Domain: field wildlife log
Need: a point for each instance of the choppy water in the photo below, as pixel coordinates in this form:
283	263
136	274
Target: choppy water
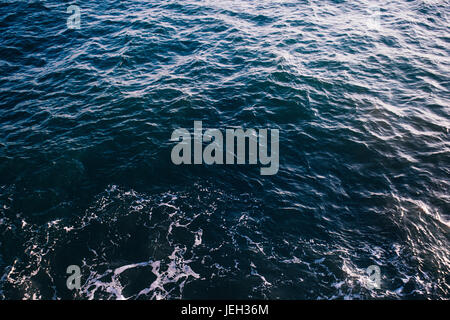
363	109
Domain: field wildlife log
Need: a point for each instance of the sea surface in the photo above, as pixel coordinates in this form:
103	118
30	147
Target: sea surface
359	91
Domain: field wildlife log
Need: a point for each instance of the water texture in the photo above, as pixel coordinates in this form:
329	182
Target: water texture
358	89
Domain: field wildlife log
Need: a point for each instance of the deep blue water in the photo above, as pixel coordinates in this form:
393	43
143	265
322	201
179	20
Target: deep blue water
363	109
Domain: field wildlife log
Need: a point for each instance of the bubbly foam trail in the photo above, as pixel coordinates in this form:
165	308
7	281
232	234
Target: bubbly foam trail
168	265
178	272
102	281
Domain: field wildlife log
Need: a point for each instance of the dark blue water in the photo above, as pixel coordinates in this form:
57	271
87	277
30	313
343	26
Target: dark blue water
362	103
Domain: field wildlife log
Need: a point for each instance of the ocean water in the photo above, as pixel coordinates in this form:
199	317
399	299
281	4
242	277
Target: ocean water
359	91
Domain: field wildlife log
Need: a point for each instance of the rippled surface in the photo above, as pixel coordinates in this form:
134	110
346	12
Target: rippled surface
86	178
